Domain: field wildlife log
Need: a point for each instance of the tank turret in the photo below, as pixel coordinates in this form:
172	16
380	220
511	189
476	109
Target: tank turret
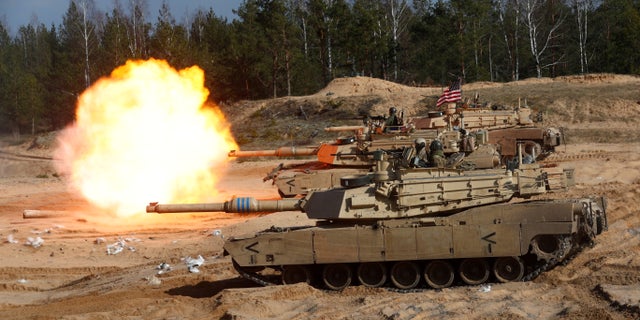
395	190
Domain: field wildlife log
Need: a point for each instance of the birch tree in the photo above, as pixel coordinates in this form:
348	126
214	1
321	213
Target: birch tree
509	16
540	38
300	13
79	40
399	12
581	9
80	31
138	29
114	39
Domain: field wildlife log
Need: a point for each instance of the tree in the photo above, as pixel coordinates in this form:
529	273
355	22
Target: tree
272	18
398	11
473	31
306	70
210	49
370	52
617	42
328	19
432	36
582	8
540	38
23	60
115	49
248	45
169	41
300	13
75	66
79	31
509	16
138	29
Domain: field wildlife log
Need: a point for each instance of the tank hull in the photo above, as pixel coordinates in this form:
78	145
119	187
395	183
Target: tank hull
487	235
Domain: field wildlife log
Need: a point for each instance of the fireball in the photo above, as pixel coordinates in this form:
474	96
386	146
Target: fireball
145	134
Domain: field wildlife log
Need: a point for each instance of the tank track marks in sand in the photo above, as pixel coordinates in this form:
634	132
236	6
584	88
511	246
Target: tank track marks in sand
633	311
590	155
22	157
562	256
56	277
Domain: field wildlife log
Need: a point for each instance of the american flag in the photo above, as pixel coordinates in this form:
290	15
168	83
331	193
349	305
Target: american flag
451	94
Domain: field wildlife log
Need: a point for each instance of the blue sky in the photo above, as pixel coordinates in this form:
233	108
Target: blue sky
18	13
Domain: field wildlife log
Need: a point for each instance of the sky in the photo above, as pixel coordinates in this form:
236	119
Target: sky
17	13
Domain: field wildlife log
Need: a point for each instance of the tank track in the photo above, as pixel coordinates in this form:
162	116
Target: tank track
566	253
253	276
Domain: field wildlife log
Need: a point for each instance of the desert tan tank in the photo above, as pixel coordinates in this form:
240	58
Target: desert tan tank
490	140
410	227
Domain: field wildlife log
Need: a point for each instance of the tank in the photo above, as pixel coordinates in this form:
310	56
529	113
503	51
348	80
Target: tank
414	227
471	138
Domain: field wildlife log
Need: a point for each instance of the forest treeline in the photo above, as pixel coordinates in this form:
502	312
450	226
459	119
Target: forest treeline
278	48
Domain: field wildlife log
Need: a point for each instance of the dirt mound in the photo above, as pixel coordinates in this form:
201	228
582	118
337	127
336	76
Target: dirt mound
355	86
32	157
597	78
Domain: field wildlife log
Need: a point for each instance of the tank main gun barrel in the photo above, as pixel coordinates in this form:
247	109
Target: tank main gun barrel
280	152
235	205
345	128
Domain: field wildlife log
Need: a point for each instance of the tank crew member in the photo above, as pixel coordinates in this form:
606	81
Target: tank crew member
392	122
421	159
527	158
436	154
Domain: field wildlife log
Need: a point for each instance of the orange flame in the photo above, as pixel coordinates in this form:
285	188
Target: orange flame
143	135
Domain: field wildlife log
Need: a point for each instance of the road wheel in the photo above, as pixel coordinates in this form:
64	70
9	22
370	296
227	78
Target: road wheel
405	275
507	269
373	274
532	148
439	274
337	276
296	274
474	271
547	247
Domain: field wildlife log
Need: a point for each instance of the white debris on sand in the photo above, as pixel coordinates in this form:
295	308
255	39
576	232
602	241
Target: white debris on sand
34	242
193	264
217	233
41	231
47	230
485	288
10	239
120	245
116	248
154	281
163	267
